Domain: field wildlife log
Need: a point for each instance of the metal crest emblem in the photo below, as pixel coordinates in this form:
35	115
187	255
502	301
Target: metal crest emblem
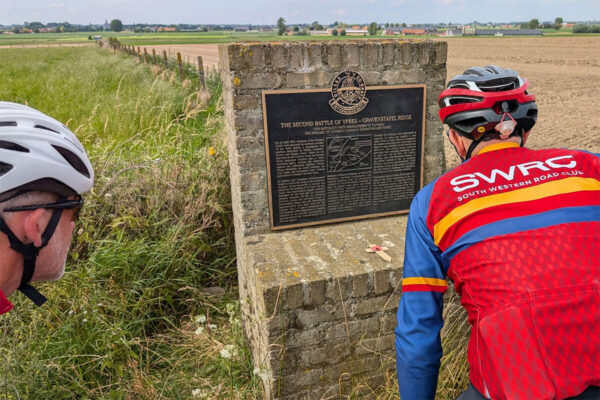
348	93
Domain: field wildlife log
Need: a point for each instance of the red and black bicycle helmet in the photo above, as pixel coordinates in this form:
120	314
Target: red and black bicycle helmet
476	101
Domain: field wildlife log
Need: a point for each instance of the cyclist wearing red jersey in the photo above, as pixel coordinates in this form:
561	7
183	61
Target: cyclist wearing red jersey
518	233
43	172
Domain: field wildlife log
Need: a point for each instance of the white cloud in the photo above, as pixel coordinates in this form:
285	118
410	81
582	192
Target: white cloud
341	12
72	9
57	5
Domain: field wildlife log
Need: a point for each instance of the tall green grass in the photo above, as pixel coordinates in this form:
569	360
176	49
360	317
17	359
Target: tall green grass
154	247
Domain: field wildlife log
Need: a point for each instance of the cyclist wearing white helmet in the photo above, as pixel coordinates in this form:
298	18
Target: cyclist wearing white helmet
44	170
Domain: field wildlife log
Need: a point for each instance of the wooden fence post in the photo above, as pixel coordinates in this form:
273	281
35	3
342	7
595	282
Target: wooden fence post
139	52
153	56
145	55
180	65
166	59
201	71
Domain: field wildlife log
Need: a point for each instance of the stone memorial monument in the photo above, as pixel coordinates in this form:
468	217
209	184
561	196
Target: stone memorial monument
328	143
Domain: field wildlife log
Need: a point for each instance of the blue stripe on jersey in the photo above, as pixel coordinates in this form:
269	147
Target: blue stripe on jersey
519	224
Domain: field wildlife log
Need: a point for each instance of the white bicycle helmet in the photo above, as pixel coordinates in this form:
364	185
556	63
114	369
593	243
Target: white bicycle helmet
38	153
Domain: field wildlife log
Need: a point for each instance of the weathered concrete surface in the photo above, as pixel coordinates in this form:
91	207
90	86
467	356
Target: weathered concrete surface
322	310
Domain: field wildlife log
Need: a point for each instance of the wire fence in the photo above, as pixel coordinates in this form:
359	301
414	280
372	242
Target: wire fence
189	72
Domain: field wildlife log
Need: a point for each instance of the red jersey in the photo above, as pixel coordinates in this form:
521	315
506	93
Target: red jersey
518	232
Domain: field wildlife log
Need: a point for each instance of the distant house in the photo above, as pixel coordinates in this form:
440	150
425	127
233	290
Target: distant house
241	29
356	32
391	31
320	33
167	29
453	32
97	37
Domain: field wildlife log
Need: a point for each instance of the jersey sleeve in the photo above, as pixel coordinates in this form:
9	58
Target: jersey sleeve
418	344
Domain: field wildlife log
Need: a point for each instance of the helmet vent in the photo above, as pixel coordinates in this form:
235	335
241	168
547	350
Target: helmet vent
4	168
46	128
12	146
73	160
469	124
8	123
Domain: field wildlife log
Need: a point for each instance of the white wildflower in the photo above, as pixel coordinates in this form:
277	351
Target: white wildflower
200	393
200	319
260	373
85	312
199	330
70	312
212	326
225	354
229	351
84	320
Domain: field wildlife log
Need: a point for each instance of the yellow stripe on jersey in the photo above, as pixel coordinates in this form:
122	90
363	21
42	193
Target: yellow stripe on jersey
563	186
498	146
424	281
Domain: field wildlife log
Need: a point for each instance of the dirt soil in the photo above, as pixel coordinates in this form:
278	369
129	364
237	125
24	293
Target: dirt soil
564	74
189	52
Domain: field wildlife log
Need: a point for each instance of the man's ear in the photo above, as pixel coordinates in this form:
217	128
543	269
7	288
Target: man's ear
458	143
34	225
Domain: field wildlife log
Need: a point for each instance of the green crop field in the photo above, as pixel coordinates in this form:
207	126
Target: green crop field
148	308
156	38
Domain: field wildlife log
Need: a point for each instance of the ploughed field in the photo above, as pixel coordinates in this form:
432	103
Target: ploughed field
564	74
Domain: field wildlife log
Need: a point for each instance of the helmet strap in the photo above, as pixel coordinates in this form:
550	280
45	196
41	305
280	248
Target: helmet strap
30	253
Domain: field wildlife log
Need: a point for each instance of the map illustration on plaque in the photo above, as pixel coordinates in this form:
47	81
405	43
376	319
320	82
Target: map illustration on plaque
349	153
343	153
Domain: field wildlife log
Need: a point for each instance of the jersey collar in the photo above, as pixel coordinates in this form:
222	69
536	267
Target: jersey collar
5	304
498	146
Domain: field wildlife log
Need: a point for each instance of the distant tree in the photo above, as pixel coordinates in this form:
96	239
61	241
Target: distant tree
558	21
403	25
387	24
33	25
372	28
534	23
295	28
116	25
334	32
281	28
343	25
343	32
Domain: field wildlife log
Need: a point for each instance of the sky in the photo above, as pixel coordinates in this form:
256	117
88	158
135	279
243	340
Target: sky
294	11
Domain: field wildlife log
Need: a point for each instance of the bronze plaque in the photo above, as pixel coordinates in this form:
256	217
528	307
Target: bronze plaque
343	154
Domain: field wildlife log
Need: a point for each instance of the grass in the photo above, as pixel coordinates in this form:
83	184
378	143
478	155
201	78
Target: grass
155	234
148	308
